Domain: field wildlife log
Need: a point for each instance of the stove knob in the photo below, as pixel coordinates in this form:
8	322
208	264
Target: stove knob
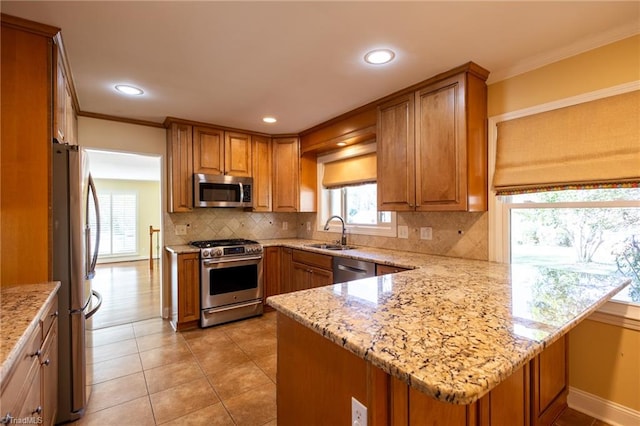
216	252
205	253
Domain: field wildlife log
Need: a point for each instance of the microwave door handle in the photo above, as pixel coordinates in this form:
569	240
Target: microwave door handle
241	192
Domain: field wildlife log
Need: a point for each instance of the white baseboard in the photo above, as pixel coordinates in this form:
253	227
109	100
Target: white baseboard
601	409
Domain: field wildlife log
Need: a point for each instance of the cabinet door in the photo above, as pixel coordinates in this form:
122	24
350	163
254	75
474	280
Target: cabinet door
180	168
300	276
60	124
237	154
272	272
395	152
208	151
286	174
550	382
49	372
441	155
261	173
188	287
320	277
286	270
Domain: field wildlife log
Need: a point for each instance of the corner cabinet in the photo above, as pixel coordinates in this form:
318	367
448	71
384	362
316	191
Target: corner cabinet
185	289
432	145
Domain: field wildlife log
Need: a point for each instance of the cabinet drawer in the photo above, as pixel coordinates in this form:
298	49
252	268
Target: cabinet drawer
49	317
388	269
313	259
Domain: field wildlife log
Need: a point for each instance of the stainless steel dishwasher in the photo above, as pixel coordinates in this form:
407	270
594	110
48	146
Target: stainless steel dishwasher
345	269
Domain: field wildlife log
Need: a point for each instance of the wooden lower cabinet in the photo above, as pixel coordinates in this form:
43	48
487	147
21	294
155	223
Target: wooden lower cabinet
311	270
271	261
286	270
317	379
185	290
30	385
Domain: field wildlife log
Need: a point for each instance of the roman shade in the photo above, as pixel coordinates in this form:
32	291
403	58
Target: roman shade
591	144
350	171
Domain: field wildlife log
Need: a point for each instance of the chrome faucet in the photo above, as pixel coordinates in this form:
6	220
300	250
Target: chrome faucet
343	240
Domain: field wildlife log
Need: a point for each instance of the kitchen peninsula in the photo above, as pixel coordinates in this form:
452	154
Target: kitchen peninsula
453	341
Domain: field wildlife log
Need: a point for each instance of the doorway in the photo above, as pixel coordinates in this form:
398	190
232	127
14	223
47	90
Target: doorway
128	274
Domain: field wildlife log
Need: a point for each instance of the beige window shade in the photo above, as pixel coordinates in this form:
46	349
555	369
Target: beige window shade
593	143
350	171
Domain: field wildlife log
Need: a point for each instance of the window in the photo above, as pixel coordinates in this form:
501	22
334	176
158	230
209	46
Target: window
119	218
592	230
352	194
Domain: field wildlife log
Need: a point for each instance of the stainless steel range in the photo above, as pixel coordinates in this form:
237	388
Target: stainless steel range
231	284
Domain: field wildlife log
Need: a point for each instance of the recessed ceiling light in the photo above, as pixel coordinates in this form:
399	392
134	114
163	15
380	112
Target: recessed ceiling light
269	120
379	56
129	90
341	143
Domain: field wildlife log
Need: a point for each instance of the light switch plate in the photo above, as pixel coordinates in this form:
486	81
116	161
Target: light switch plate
426	233
285	226
403	231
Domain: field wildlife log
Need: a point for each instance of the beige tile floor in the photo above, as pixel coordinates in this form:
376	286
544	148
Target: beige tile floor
144	373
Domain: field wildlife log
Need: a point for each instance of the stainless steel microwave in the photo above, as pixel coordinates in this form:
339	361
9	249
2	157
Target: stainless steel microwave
222	191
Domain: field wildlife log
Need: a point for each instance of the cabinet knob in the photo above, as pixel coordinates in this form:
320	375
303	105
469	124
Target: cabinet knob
55	314
36	353
7	419
38	410
46	362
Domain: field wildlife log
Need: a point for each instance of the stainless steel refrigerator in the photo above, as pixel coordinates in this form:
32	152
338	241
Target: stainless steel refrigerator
75	251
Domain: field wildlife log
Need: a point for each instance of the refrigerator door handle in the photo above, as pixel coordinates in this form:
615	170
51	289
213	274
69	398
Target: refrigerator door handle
96	307
91	265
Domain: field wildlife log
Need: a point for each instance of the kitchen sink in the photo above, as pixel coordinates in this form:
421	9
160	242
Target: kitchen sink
330	246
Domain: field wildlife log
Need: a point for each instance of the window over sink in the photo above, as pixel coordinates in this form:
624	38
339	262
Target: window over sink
347	188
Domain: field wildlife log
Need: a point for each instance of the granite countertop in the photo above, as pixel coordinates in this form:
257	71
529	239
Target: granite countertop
451	328
21	307
182	248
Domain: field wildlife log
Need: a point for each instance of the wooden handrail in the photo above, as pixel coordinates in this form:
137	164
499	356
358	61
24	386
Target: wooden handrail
151	232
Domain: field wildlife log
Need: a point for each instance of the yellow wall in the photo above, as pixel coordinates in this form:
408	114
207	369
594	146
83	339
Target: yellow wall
607	66
604	360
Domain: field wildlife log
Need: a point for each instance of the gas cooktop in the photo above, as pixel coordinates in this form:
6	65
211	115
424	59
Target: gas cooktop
222	243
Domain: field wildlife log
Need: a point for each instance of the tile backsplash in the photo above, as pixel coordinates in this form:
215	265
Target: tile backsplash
456	234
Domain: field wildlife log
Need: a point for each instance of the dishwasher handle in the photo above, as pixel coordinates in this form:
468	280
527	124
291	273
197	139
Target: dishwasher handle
351	269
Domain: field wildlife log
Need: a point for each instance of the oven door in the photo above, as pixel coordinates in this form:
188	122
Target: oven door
230	280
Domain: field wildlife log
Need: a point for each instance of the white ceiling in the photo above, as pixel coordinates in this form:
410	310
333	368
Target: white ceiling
120	165
231	63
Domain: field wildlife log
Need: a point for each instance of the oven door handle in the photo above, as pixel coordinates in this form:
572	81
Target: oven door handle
230	308
230	260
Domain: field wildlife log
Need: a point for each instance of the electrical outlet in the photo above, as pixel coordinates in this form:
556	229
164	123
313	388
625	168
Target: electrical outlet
181	229
285	226
358	413
308	226
426	233
403	231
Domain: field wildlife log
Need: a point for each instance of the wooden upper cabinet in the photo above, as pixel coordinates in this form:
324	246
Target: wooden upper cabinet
208	150
65	121
237	154
432	145
180	168
286	160
395	153
261	157
441	156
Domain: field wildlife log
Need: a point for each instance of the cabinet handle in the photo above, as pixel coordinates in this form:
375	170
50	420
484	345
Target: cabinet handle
55	314
38	410
7	419
46	362
36	353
